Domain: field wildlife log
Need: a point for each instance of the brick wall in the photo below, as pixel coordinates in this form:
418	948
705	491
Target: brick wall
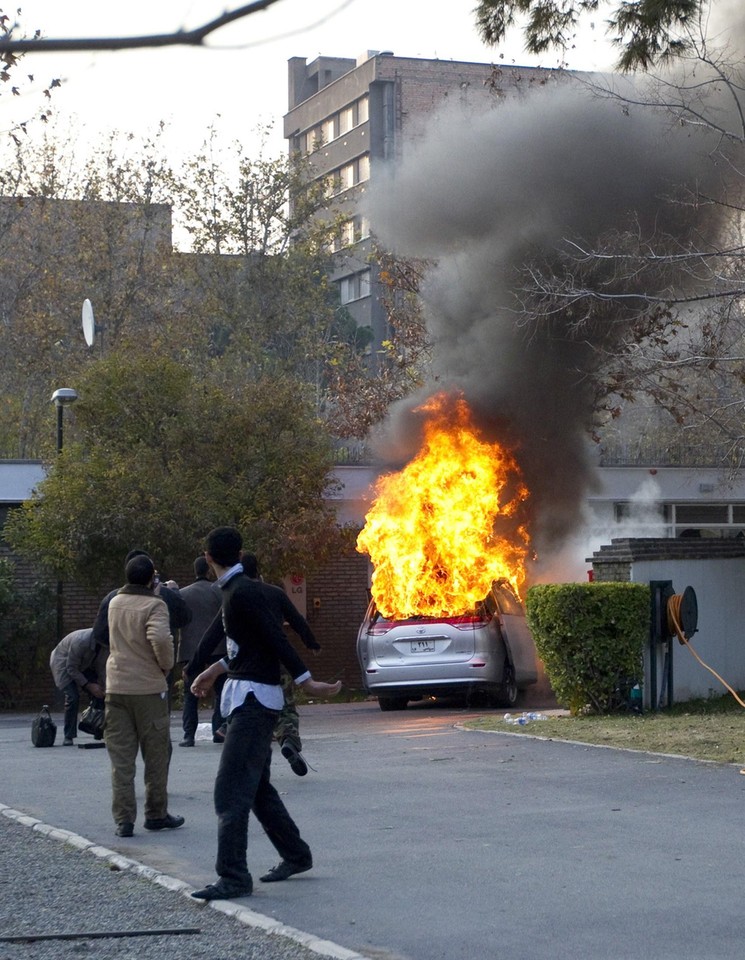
613	562
337	599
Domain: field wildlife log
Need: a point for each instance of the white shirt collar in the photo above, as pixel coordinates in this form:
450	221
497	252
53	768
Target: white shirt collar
229	574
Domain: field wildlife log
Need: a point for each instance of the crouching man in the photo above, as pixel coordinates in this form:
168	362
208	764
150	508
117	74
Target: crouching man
78	663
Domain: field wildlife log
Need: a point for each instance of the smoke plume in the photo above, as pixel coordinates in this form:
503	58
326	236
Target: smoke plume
485	195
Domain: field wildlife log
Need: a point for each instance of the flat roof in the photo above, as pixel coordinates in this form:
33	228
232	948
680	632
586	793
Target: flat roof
18	478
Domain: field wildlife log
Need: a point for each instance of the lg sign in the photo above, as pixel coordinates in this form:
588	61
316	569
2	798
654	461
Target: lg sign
295	587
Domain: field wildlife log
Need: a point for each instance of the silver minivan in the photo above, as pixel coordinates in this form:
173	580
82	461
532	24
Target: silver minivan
489	650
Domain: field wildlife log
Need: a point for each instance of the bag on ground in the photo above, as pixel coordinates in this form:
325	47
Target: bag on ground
91	721
43	729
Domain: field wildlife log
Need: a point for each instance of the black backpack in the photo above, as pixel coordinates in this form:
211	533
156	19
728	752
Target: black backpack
43	729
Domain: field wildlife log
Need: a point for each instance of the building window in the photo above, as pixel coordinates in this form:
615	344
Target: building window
347	176
313	139
697	513
346	120
718	520
336	126
347	233
352	231
355	286
351	174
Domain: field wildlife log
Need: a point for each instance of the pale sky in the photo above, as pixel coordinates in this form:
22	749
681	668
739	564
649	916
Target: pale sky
243	77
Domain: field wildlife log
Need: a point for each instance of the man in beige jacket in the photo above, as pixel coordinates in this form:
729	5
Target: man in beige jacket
137	717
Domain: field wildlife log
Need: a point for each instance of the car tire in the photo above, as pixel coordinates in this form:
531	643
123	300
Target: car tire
509	694
392	703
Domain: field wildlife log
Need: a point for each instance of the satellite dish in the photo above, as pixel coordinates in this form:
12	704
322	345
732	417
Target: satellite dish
90	327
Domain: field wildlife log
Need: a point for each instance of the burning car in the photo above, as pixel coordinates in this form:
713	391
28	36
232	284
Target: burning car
488	650
448	542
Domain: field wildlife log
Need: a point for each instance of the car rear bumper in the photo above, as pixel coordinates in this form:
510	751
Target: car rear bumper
430	688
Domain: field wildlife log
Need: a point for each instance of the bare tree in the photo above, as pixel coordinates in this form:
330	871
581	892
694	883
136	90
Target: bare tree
16	85
659	299
195	37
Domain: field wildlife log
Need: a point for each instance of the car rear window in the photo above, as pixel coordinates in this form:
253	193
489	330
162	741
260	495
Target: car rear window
474	618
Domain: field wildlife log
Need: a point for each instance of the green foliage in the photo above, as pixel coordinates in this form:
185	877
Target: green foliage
645	31
156	458
27	621
590	637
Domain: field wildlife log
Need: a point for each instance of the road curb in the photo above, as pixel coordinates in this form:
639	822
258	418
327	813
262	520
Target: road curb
244	915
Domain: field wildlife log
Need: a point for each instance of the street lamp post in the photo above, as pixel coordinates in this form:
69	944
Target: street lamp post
61	398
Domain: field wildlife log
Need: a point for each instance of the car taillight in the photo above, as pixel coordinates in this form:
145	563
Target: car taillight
466	622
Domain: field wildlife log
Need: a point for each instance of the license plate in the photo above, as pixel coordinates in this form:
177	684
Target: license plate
422	646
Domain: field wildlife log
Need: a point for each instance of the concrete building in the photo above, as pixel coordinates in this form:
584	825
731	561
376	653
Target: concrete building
351	116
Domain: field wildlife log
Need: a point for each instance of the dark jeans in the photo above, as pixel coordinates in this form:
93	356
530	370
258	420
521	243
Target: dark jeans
242	785
72	705
190	713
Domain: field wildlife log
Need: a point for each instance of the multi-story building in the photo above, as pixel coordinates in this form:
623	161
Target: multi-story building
353	116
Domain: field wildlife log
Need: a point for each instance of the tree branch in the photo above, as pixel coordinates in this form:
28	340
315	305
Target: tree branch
194	38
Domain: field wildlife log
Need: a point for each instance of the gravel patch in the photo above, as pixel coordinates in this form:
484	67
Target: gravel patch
52	882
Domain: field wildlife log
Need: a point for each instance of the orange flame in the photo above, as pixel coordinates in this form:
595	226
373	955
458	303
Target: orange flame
438	532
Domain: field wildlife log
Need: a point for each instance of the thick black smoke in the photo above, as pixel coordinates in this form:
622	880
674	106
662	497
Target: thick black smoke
483	195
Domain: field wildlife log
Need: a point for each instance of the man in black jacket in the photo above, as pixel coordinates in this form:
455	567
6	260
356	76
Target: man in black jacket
251	700
287	730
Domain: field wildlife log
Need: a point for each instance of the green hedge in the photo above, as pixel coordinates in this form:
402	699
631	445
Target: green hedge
590	637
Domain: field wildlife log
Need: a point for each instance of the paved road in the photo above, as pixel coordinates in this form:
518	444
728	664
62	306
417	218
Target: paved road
433	842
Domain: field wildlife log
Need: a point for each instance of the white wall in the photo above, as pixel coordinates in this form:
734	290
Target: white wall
720	639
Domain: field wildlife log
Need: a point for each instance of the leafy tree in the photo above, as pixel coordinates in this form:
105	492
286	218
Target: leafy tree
156	458
647	32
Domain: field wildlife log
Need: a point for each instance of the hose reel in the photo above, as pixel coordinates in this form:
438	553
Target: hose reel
674	615
682	615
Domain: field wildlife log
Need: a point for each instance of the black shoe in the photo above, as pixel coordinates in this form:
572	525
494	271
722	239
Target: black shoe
68	742
294	758
284	870
169	822
125	829
223	890
219	735
187	742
